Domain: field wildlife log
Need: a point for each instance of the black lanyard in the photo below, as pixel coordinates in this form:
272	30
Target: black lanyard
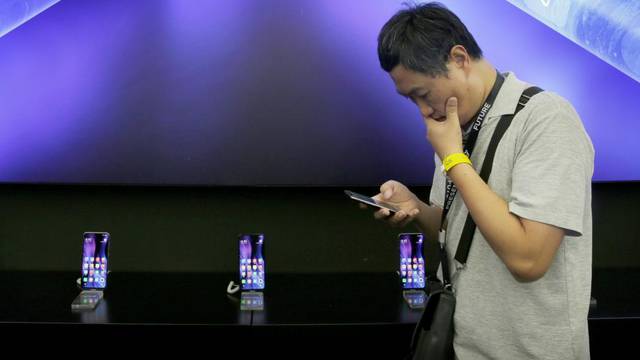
471	142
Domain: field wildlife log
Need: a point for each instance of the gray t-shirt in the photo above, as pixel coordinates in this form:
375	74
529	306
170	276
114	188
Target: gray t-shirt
542	169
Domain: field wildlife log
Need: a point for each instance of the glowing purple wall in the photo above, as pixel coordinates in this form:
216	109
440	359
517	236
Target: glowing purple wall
250	92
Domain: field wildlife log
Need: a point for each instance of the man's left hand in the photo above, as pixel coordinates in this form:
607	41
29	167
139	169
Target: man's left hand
445	135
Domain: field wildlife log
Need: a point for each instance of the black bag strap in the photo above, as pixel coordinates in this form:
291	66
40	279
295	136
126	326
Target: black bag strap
464	245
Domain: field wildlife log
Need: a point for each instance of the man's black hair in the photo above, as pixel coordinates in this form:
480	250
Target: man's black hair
421	37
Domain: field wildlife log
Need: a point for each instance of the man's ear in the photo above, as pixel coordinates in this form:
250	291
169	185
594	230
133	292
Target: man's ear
459	56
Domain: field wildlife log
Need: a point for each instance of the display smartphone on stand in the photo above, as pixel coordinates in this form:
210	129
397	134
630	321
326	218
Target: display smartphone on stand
94	270
370	201
252	264
412	272
252	271
412	269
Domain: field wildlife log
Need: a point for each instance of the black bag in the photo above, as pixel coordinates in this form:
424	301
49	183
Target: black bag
433	335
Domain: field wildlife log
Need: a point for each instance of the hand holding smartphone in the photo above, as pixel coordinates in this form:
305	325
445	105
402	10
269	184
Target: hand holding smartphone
370	201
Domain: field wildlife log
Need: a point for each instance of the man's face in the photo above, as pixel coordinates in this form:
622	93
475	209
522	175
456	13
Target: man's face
430	94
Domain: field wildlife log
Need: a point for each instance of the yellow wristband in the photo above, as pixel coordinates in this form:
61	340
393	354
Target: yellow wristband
455	159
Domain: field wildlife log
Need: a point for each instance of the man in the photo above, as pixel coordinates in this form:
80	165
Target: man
525	289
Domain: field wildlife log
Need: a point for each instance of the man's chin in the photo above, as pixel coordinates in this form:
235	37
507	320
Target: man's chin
466	125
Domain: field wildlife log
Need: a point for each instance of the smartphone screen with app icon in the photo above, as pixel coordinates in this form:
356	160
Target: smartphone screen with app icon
252	300
95	260
412	267
416	299
87	300
252	264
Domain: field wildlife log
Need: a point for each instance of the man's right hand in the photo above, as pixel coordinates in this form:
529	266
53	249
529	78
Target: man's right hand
396	194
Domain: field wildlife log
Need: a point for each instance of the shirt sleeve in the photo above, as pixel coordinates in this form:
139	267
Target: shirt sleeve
553	166
438	185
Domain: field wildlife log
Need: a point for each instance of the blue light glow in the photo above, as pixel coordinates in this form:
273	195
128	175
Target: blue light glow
201	92
14	13
609	29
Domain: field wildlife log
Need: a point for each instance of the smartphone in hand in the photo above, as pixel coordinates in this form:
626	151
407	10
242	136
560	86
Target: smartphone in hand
370	201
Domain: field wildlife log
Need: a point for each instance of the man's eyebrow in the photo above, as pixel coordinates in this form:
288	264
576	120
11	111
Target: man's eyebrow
411	93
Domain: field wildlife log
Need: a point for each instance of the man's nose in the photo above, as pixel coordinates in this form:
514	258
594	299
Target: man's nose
425	110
